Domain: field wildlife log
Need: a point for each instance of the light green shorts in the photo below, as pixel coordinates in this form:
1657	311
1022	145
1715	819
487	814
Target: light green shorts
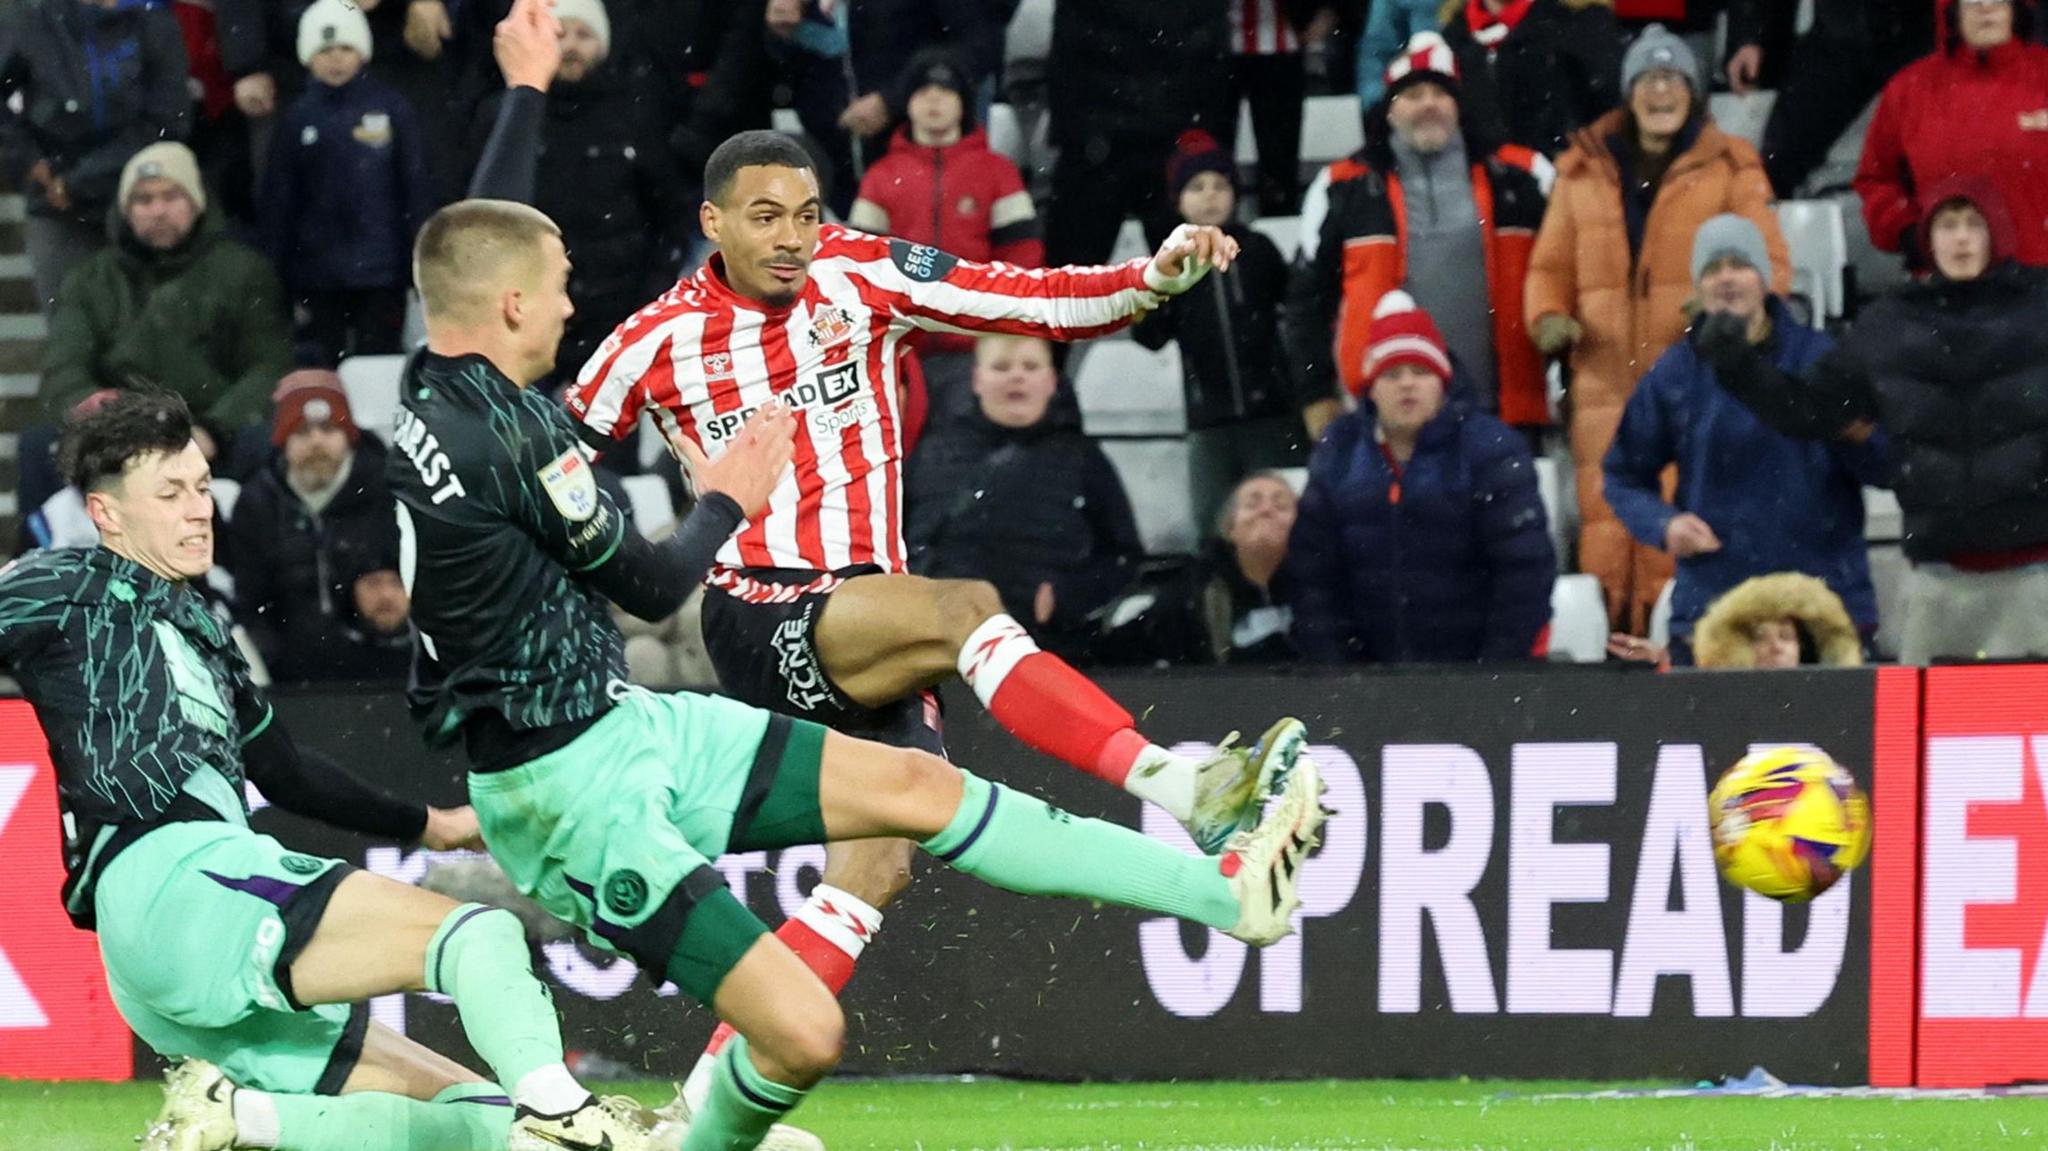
198	925
615	832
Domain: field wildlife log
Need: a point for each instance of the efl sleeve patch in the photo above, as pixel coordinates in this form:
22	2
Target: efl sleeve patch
571	485
923	263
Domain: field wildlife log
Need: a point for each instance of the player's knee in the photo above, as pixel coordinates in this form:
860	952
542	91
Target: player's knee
811	1049
877	872
500	930
920	773
965	605
475	938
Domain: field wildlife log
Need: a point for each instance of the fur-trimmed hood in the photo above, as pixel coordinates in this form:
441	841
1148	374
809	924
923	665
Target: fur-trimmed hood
1721	638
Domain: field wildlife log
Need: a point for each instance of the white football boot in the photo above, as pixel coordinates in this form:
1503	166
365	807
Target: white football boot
198	1112
1263	864
613	1123
1232	785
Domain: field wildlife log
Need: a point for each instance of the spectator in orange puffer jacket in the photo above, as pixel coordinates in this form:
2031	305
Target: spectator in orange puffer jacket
1612	271
940	185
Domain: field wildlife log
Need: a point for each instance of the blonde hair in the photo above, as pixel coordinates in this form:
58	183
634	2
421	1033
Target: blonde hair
470	250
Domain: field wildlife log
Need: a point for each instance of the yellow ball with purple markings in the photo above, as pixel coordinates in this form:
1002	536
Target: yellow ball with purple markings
1788	822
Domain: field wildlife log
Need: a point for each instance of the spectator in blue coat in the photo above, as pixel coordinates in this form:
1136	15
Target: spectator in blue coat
345	191
1750	500
1420	537
1388	28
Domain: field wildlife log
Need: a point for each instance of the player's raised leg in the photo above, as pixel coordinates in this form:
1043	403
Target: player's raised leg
791	1028
883	637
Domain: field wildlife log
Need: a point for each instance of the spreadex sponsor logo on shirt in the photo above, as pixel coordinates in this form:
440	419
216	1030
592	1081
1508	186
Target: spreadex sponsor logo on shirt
1442	844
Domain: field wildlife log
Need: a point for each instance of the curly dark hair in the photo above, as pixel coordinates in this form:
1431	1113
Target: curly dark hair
97	448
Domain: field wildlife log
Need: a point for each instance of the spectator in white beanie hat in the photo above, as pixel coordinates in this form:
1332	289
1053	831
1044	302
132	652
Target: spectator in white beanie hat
344	192
586	37
333	24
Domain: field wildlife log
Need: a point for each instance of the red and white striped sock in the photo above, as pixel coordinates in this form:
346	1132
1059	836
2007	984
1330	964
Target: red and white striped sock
1039	698
828	933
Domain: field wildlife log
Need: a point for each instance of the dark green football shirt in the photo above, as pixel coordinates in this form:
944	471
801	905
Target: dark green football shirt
141	692
498	511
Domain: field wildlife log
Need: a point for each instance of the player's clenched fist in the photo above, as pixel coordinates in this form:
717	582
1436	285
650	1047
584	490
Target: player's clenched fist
748	471
527	44
1187	255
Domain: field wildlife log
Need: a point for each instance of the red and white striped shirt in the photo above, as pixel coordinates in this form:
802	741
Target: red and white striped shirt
702	358
1261	28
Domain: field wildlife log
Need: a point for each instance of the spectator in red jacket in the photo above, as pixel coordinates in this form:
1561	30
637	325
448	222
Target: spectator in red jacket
1977	107
940	185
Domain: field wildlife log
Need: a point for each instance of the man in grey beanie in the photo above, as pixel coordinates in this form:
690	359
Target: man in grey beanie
1750	501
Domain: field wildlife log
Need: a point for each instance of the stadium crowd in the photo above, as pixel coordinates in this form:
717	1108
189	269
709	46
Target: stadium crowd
1546	248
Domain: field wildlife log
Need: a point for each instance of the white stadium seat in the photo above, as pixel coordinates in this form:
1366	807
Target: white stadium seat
1284	231
1155	476
1889	571
1029	36
1130	242
1818	240
1883	521
1331	128
1005	134
1551	490
1127	390
653	511
1578	619
372	386
1660	616
1743	116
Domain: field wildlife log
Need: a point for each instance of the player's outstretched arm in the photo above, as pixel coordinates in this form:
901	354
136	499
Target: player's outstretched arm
528	52
319	788
940	292
651	580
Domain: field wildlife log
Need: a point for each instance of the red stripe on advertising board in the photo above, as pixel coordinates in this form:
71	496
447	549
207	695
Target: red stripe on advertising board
1982	1020
1894	876
57	1020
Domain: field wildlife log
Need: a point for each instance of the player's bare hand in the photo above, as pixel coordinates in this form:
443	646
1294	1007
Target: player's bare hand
1188	254
527	44
452	829
750	469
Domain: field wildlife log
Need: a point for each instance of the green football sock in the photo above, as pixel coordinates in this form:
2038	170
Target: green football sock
471	1117
1022	844
479	959
742	1106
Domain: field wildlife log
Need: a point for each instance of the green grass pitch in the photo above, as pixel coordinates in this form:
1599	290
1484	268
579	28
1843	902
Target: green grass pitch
1387	1116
